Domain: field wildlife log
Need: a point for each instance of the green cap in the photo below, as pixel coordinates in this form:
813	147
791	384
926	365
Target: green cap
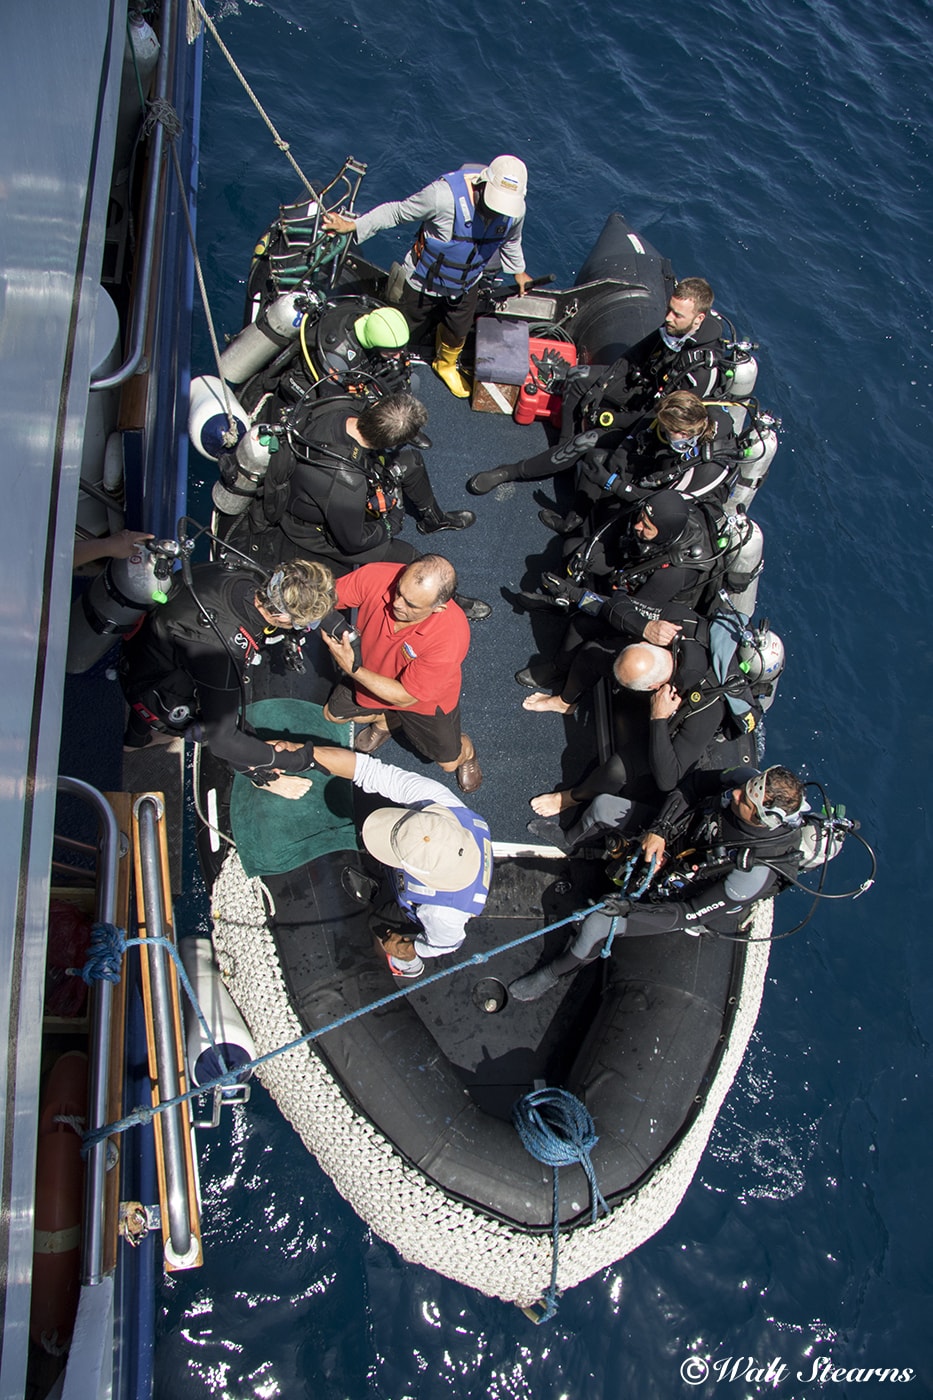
382	329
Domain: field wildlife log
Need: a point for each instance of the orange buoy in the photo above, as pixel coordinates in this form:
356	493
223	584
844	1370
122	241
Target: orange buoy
56	1256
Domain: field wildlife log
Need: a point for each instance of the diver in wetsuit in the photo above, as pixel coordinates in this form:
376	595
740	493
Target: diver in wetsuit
183	671
754	820
335	490
670	556
685	352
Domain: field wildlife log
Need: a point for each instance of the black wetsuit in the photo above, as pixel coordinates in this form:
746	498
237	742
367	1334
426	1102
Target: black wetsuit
339	500
649	576
652	755
720	904
645	462
611	400
618	395
180	676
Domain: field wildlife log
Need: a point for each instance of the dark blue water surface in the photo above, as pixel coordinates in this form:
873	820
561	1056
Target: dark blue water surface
782	150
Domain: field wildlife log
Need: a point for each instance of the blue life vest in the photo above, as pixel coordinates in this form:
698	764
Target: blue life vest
411	893
449	268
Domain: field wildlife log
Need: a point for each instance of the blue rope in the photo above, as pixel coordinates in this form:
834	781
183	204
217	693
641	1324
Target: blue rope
105	959
558	1130
104	955
144	1113
606	950
640	889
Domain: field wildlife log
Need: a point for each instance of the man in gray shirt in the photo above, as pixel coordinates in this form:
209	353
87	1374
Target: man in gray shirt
469	219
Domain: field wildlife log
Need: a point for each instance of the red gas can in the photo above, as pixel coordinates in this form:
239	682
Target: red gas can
535	398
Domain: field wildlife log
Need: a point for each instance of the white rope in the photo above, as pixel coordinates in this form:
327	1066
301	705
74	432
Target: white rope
394	1198
198	8
164	112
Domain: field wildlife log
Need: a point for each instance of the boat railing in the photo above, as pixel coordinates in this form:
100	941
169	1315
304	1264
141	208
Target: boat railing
100	1018
182	1242
145	263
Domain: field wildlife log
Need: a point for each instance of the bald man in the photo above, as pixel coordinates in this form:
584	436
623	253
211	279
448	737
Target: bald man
407	673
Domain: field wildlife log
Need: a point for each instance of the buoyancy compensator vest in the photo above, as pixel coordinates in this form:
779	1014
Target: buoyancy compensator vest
300	479
651	369
215	603
451	267
338	356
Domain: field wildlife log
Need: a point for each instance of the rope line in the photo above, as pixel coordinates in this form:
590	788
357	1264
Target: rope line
144	1113
105	956
282	144
558	1130
164	112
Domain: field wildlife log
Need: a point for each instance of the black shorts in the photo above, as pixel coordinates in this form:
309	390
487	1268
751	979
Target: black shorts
436	736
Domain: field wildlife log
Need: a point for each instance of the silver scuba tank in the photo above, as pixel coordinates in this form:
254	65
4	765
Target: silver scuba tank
761	660
227	1026
821	839
258	343
761	443
741	577
242	472
113	604
741	376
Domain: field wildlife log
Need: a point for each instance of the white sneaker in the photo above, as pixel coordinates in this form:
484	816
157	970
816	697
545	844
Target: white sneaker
414	968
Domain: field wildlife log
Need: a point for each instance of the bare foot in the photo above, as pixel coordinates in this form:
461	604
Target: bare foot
541	703
550	804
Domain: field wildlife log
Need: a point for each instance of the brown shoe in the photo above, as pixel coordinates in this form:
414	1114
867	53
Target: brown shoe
469	775
371	738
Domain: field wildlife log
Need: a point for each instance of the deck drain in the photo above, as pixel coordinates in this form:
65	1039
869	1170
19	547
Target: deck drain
490	995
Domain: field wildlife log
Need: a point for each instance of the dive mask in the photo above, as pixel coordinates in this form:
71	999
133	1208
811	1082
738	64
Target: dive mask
771	816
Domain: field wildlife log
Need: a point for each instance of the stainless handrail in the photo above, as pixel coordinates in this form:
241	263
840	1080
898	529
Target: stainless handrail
100	998
142	281
149	812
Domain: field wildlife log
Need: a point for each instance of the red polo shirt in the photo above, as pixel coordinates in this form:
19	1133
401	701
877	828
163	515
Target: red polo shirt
424	657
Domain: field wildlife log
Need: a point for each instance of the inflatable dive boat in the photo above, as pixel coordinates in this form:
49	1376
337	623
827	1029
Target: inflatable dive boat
409	1107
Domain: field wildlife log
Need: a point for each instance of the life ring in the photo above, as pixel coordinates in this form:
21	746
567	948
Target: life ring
59	1203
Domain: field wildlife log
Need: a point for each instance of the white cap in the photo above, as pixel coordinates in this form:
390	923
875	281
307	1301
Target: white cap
506	181
427	842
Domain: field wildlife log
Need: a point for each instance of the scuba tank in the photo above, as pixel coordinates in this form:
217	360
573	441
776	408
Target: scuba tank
740	373
208	424
759	443
744	567
761	661
822	837
228	1028
243	471
116	601
257	344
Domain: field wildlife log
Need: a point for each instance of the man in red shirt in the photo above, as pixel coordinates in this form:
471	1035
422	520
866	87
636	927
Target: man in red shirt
412	641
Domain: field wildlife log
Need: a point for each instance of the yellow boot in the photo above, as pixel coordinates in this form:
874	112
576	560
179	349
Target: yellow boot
445	365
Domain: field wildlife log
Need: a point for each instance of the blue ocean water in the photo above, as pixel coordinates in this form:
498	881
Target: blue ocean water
783	151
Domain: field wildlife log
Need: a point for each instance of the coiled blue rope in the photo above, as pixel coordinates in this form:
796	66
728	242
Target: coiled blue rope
558	1130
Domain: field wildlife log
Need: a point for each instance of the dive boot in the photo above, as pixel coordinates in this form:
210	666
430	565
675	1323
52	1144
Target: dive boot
445	365
484	482
435	519
534	984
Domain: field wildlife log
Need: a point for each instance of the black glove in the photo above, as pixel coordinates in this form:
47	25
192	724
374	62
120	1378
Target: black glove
566	593
598	468
572	375
562	590
292	761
